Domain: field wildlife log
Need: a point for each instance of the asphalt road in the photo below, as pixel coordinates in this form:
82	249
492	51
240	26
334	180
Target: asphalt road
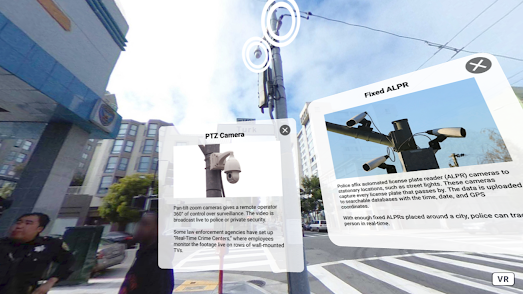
348	270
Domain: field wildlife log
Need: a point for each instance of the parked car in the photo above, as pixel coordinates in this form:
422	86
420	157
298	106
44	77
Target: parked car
109	254
121	237
319	225
306	226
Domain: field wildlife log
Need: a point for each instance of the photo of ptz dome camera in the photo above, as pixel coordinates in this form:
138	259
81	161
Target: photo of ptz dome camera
225	161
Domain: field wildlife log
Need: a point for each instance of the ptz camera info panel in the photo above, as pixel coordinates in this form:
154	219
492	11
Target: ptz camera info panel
429	166
230	203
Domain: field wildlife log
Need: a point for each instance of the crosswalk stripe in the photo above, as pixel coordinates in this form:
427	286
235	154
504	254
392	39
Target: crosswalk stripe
390	279
472	266
518	264
332	282
506	256
444	275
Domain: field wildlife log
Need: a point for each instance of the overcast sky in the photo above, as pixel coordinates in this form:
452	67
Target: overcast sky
183	61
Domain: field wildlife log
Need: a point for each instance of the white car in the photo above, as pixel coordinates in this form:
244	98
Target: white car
319	225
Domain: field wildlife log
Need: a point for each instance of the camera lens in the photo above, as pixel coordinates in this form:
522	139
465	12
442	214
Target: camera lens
229	175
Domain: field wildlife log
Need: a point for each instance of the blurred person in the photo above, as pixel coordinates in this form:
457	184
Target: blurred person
144	276
25	256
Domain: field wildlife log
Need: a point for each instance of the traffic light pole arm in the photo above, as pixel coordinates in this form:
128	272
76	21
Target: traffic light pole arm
360	134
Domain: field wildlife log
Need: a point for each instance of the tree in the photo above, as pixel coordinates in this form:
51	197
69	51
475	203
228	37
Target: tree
497	152
311	188
116	206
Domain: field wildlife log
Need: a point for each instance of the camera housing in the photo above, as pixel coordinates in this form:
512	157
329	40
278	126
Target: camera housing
356	119
449	132
374	163
232	169
225	161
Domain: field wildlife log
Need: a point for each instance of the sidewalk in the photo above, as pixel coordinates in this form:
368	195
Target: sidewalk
193	283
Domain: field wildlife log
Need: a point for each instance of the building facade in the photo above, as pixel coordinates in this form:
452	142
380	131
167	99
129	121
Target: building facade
306	153
135	150
56	58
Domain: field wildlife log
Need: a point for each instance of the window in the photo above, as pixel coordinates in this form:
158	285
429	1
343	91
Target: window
148	147
111	164
157	146
81	165
123	163
91	140
105	184
123	130
4	169
143	166
20	158
155	163
129	146
117	147
18	143
88	147
84	155
11	156
27	145
132	131
153	128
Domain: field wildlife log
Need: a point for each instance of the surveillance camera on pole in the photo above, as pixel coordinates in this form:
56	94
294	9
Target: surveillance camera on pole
379	162
230	166
257	52
356	119
374	163
449	132
444	133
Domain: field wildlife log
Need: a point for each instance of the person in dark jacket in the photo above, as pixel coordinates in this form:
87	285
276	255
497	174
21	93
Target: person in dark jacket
144	276
25	256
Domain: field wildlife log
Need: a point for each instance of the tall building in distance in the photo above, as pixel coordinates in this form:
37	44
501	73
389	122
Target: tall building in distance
135	150
306	153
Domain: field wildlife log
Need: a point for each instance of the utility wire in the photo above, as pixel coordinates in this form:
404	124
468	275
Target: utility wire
514	75
517	81
484	31
411	38
441	48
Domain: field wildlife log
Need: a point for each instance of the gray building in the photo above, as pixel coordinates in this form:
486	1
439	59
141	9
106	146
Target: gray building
135	150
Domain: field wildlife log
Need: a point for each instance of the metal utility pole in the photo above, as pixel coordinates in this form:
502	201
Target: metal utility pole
213	184
212	177
298	283
280	100
151	189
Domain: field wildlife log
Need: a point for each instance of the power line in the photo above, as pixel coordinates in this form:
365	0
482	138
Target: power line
514	75
411	38
517	81
441	48
488	28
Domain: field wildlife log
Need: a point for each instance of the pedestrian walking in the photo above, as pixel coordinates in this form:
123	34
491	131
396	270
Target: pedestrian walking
144	276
